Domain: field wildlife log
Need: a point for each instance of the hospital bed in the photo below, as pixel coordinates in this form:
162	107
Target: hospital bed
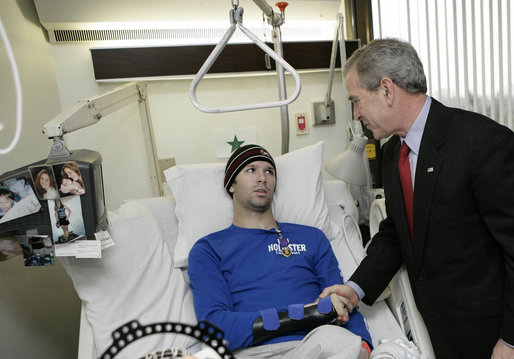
143	276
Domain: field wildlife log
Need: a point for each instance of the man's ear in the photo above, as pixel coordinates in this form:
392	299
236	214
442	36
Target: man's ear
387	88
231	189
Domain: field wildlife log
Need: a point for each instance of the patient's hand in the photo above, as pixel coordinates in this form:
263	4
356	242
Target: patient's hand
346	295
339	306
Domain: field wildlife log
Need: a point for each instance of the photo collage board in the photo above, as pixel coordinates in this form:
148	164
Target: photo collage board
60	185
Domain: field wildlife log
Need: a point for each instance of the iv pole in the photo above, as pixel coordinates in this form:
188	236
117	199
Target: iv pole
276	21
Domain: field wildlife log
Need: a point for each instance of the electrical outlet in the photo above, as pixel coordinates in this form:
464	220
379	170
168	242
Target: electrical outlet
324	115
300	120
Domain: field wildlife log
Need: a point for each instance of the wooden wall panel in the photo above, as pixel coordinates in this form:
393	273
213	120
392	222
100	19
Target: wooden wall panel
120	63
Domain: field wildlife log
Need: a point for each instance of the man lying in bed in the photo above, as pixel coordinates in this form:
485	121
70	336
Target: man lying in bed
256	280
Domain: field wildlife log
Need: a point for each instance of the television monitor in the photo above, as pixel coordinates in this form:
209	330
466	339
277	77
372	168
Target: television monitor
30	197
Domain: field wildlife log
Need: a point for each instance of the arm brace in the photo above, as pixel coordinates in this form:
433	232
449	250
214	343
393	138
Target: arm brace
298	317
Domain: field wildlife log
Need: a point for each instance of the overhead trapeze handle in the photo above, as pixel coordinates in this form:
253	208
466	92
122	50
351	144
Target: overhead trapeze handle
236	17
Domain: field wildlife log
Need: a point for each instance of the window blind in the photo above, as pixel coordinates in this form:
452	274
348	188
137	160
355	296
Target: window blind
465	46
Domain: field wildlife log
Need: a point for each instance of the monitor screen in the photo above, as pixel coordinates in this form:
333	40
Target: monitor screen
60	197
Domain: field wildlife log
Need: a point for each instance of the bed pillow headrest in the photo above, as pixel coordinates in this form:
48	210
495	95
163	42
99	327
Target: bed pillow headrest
134	280
203	206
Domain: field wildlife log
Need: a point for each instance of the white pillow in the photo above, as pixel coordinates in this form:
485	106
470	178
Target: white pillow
203	206
134	280
163	209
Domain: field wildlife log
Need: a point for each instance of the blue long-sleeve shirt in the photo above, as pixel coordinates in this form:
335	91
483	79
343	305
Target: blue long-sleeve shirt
237	272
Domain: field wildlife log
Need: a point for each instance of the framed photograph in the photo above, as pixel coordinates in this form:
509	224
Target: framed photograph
44	182
17	198
66	216
69	179
38	250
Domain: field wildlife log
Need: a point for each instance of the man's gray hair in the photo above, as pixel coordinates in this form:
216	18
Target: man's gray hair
391	58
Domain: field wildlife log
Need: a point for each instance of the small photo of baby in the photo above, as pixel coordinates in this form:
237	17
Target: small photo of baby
69	179
17	199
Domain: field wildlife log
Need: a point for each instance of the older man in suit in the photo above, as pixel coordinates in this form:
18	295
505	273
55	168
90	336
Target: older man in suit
448	176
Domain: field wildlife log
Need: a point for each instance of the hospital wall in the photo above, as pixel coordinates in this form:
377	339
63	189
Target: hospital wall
39	309
181	131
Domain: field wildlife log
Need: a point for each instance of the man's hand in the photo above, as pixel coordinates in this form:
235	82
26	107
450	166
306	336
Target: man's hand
502	351
346	295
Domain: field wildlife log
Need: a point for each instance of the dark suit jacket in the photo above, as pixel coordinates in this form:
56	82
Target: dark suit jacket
461	261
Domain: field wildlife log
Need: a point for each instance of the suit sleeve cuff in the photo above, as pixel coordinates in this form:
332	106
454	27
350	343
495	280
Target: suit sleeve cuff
356	288
507	344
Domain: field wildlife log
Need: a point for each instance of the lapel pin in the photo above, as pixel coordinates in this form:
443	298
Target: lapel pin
430	169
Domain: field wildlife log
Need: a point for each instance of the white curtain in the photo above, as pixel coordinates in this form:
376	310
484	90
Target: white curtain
466	47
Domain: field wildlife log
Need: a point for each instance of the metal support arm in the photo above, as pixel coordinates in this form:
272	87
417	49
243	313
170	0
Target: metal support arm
337	42
236	17
90	111
273	18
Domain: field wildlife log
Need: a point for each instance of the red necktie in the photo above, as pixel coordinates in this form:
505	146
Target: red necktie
406	180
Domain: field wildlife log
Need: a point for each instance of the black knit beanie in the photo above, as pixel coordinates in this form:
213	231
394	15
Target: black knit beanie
240	158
